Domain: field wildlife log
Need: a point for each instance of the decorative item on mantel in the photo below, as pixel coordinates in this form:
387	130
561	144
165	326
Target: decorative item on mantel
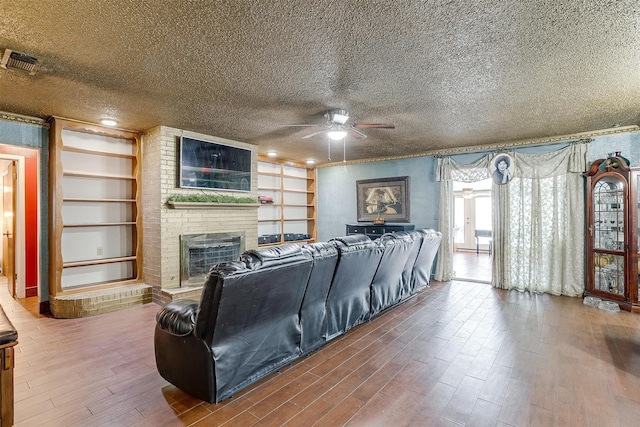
205	201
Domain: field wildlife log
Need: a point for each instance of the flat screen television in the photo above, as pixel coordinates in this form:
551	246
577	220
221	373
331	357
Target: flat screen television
210	165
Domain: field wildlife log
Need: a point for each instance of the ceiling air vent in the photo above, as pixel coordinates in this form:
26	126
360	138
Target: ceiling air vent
12	60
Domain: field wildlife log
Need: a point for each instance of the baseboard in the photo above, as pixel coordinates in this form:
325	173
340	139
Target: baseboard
44	307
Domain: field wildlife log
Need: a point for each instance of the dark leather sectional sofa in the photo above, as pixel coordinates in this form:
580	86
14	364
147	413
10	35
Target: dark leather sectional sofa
277	304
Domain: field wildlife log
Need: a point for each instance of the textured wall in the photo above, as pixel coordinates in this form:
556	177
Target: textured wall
627	143
337	192
337	184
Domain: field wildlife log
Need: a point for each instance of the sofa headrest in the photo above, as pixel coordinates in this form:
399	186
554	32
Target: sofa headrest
321	249
273	255
352	240
430	233
227	268
398	237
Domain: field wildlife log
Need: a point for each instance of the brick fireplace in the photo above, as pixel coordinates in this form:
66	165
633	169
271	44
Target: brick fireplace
163	225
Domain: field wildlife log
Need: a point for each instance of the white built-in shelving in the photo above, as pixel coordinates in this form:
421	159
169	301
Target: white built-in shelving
291	217
95	195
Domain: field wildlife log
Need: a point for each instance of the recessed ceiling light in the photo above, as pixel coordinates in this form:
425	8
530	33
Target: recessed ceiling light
310	162
272	154
108	122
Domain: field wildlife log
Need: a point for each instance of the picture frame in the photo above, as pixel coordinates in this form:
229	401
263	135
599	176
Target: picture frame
386	198
498	172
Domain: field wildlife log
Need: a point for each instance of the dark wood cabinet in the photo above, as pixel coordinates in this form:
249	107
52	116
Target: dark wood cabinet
612	232
374	231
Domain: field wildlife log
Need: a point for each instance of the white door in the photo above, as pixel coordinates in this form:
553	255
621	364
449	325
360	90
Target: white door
472	215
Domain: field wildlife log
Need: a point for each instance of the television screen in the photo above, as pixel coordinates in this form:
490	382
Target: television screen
210	165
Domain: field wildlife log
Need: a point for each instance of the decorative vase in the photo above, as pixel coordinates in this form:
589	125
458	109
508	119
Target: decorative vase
378	220
623	158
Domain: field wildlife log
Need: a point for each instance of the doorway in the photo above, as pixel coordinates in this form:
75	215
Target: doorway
472	231
9	185
24	216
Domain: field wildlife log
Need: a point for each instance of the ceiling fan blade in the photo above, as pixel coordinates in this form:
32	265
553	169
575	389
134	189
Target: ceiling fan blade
357	134
313	134
374	125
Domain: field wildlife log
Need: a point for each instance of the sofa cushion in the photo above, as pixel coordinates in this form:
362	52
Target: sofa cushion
348	302
389	285
429	244
313	313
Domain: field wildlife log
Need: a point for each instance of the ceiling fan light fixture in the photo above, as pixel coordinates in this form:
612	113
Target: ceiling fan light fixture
310	162
337	135
272	154
339	116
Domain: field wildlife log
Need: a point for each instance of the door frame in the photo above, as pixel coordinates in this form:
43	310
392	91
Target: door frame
19	233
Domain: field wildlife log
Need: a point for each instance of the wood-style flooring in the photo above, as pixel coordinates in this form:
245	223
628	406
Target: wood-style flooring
472	266
460	354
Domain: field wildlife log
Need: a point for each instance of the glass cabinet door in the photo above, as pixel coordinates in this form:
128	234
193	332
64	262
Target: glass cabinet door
608	234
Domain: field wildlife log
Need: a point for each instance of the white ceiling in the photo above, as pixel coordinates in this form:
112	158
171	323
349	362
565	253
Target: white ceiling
448	74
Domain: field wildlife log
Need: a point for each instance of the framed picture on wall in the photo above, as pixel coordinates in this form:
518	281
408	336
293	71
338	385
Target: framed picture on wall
502	168
383	197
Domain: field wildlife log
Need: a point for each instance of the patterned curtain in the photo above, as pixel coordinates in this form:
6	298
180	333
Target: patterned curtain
538	224
538	221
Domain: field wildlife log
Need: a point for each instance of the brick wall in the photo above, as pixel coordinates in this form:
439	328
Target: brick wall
162	226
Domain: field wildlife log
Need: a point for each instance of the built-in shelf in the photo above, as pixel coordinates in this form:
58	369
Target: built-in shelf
290	190
97	152
97	215
292	205
91	200
100	224
89	262
96	175
293	190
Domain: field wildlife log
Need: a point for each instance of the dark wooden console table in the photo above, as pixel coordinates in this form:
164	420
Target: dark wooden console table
374	231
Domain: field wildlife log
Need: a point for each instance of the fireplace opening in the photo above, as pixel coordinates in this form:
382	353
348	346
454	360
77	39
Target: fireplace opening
199	252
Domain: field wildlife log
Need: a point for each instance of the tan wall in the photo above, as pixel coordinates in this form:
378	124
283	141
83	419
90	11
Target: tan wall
163	225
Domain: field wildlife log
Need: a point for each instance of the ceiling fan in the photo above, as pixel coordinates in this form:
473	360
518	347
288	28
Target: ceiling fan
336	127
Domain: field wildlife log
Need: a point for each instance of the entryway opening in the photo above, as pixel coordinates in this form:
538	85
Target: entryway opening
472	231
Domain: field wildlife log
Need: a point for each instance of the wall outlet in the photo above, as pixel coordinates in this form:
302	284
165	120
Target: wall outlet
99	250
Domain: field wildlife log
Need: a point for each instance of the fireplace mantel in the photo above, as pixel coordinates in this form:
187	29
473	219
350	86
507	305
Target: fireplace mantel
211	205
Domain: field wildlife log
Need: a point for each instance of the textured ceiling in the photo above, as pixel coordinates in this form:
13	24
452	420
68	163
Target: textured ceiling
448	74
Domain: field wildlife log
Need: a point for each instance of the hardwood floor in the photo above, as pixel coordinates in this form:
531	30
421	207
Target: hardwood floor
459	354
472	266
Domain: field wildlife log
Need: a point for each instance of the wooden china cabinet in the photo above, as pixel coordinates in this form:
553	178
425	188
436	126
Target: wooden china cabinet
612	232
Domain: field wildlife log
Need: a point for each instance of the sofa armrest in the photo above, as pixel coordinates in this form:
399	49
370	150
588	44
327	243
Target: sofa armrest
8	333
178	317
